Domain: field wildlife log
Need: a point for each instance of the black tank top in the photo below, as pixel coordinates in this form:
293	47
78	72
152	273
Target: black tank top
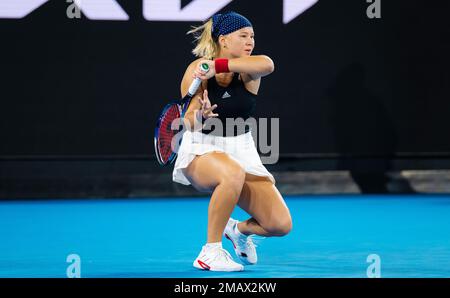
233	101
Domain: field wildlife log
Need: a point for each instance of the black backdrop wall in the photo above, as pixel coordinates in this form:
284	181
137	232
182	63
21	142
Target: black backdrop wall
343	83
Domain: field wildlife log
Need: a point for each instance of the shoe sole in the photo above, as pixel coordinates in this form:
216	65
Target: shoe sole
205	267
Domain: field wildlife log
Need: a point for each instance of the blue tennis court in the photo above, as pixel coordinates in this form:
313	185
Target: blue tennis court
332	237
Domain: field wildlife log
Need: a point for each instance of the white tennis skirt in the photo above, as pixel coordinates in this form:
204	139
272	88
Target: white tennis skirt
241	148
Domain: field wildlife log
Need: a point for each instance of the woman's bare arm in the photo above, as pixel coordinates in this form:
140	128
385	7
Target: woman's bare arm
200	107
255	66
195	101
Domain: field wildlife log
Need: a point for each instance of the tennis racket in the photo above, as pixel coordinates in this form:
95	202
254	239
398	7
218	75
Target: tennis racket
164	133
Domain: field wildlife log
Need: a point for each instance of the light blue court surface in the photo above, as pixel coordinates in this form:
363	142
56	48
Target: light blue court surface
332	237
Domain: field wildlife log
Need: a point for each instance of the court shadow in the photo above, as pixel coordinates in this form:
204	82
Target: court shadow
364	132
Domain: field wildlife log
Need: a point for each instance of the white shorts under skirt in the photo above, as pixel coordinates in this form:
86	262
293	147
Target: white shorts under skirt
240	148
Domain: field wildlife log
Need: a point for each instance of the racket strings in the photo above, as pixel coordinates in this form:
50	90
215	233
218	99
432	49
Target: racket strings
166	133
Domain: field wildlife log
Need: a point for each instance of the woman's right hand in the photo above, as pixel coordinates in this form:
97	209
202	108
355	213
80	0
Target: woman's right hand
199	72
206	110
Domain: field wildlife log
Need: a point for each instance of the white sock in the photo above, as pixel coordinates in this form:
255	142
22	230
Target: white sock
236	230
209	246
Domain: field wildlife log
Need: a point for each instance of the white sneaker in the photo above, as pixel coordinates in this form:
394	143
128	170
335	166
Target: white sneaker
216	259
243	245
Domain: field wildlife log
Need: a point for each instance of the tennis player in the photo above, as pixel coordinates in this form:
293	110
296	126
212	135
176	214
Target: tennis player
223	163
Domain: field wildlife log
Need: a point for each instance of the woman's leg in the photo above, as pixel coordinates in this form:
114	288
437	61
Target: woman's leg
218	173
262	200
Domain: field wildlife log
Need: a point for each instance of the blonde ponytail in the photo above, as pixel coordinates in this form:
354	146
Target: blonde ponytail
206	47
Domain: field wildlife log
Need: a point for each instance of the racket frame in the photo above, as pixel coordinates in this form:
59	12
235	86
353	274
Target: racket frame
182	105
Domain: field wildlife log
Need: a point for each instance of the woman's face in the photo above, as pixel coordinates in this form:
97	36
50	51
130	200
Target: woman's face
240	43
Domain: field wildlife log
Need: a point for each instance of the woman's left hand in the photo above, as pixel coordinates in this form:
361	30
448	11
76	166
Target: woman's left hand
200	73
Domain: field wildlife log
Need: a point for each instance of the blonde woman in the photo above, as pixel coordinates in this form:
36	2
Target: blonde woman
227	164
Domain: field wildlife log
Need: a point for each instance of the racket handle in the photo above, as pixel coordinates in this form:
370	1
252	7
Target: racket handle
196	83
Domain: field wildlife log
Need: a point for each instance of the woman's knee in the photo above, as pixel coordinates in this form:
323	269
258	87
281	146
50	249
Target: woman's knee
279	226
